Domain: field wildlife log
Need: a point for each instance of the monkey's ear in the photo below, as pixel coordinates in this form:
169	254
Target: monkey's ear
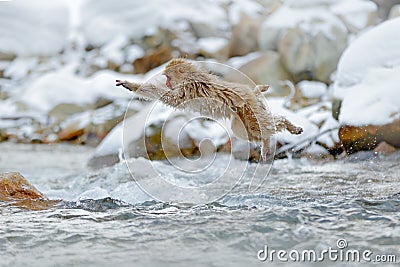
181	70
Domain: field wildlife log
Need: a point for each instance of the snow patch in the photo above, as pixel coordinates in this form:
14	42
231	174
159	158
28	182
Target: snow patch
28	28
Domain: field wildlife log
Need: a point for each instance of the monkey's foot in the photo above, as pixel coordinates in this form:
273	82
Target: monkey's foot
298	130
265	151
295	130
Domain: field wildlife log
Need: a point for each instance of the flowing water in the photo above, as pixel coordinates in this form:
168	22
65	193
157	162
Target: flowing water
105	219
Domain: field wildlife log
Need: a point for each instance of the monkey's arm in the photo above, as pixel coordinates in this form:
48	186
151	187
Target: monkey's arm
128	85
146	90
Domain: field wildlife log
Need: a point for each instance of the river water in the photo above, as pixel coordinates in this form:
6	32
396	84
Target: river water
105	219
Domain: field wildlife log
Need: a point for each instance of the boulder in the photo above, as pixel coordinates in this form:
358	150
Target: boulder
310	41
356	14
153	58
366	89
357	138
157	132
384	7
385	149
16	190
310	56
394	12
244	36
213	47
263	68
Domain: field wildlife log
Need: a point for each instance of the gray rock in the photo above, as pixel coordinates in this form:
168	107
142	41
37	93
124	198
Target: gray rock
394	12
266	68
312	57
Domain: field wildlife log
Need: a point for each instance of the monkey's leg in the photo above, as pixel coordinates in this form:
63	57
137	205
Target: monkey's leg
265	151
281	123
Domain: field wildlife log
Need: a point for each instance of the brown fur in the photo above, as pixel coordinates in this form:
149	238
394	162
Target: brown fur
251	119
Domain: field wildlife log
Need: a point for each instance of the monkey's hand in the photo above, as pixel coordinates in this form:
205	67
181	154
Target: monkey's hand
128	85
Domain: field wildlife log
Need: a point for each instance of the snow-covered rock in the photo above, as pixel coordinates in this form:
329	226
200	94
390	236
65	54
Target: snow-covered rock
394	12
247	8
309	39
369	85
261	68
156	132
63	86
28	28
356	14
312	89
105	20
309	129
244	36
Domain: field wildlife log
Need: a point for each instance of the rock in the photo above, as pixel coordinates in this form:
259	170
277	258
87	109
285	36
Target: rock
384	7
213	47
16	190
385	149
244	36
265	68
72	131
106	22
157	132
310	56
368	86
310	42
394	12
7	56
62	111
91	126
152	59
356	14
357	138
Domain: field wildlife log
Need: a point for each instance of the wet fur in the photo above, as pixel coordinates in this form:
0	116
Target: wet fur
251	120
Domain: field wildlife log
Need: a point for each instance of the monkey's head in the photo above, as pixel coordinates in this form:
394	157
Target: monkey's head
176	71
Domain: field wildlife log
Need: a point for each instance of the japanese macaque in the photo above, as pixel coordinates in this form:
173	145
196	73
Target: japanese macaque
189	87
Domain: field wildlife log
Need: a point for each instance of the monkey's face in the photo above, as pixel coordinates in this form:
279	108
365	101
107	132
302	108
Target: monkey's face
168	82
175	77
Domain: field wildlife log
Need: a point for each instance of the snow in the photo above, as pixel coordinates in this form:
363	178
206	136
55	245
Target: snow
368	77
105	20
63	86
20	67
244	7
212	44
309	129
355	13
373	101
376	48
331	137
313	20
113	49
312	89
114	141
27	28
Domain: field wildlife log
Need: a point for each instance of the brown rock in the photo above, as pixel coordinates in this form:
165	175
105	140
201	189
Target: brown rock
71	131
152	59
356	138
244	36
16	190
385	149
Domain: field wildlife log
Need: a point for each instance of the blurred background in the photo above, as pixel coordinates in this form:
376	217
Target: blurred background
332	65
